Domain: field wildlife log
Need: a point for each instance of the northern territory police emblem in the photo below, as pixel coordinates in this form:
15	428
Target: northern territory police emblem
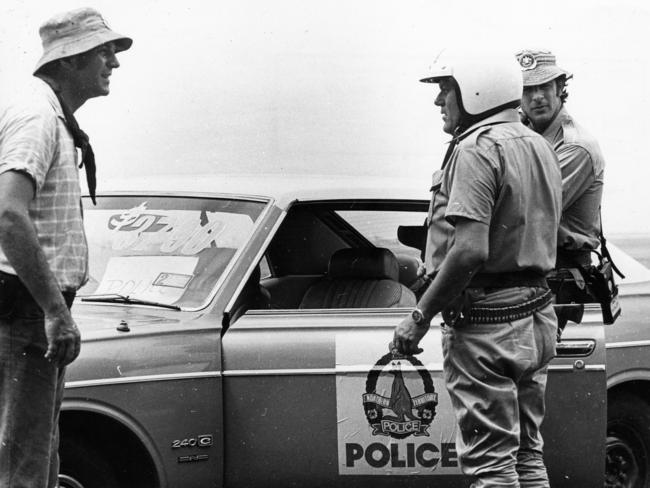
400	414
527	61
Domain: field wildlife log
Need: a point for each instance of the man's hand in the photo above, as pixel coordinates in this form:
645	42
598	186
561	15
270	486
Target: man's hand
408	335
63	338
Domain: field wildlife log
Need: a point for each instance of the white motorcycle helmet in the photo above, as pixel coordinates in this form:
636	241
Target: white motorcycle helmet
487	82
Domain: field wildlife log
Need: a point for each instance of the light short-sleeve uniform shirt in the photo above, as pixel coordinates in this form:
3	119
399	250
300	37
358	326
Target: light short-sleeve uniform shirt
583	167
506	176
35	141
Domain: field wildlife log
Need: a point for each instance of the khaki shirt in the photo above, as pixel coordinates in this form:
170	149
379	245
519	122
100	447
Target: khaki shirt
506	176
582	166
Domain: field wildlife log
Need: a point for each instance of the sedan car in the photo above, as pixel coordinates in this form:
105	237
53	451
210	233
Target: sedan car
235	333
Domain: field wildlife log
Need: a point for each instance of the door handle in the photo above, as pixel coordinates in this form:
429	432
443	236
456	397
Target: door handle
572	347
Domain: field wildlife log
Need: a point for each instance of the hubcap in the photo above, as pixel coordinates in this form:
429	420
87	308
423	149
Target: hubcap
621	466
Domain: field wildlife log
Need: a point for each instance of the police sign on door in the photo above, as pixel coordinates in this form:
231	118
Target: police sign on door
394	415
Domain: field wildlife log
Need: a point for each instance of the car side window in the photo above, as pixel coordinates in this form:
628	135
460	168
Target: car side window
380	228
265	270
324	256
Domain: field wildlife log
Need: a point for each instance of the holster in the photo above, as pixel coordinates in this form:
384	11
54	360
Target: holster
587	284
456	314
601	285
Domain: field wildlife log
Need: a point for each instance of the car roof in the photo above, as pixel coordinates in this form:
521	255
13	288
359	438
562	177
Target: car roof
287	188
283	188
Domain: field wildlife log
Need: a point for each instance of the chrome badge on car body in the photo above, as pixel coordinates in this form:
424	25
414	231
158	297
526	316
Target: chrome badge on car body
203	440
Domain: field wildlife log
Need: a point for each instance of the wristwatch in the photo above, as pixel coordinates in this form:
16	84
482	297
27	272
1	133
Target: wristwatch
418	316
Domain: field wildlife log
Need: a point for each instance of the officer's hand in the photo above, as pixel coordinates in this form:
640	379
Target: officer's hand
63	338
407	336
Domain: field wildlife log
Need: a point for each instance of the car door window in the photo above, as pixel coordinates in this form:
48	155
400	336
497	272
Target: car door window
380	227
300	256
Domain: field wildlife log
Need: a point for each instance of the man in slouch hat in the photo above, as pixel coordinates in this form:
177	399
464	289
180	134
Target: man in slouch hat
43	249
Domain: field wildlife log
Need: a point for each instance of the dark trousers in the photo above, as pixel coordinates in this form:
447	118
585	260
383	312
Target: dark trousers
31	390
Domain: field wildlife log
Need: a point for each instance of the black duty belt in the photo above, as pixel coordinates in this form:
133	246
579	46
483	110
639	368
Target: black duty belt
508	280
494	314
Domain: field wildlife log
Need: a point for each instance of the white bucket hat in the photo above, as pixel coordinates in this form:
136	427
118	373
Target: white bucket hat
76	32
539	67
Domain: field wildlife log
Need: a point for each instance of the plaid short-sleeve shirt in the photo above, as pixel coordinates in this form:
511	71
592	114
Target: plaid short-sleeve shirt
35	141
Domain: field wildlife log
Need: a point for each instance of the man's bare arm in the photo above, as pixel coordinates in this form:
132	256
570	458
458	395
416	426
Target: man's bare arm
469	252
20	244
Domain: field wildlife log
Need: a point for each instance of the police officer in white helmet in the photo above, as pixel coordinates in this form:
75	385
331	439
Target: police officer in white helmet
492	226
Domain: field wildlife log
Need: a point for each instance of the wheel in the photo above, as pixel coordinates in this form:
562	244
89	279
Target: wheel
66	481
627	462
83	466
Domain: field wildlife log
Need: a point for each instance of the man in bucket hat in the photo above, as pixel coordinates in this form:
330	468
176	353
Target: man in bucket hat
581	163
43	250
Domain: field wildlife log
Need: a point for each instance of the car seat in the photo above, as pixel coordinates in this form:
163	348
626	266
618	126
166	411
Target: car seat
360	278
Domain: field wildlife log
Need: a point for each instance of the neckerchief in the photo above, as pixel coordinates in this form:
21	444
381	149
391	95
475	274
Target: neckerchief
81	141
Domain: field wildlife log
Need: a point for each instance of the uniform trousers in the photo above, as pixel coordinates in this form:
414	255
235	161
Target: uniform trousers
496	377
31	390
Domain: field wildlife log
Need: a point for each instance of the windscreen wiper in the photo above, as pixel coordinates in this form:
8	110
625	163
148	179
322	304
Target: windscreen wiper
116	298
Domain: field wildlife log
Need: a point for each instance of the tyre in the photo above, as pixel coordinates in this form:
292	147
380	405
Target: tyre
628	442
82	466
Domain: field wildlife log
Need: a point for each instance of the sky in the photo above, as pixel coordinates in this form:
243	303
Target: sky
299	86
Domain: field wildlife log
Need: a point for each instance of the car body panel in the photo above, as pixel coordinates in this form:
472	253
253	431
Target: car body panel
161	379
628	342
163	412
282	188
282	391
309	407
628	339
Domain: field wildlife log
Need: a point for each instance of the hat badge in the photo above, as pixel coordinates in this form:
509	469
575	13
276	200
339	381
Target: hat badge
527	61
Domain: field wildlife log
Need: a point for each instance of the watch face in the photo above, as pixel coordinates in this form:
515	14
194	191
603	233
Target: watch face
417	316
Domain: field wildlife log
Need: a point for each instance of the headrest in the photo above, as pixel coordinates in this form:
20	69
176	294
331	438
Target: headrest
408	269
375	263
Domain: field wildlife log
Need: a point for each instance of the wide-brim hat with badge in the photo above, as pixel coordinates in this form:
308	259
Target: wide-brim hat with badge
539	66
75	32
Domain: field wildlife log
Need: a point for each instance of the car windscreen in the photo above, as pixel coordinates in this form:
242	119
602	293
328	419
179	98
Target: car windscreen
165	250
